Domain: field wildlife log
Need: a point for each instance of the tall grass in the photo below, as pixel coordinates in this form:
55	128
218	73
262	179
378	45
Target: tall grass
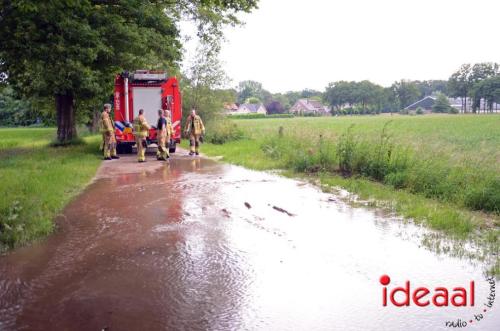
383	159
38	180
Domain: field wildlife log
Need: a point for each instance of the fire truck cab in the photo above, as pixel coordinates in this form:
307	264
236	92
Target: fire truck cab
151	91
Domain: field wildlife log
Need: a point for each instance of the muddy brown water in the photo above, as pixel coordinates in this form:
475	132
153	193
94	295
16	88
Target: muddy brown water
199	245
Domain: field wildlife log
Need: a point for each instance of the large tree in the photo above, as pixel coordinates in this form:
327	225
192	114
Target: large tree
405	93
462	81
369	97
488	90
252	89
69	50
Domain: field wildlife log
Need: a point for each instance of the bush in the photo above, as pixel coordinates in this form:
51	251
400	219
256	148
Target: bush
222	131
420	111
484	197
346	147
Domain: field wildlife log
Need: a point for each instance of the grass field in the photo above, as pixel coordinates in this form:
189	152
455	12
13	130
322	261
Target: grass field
440	169
38	180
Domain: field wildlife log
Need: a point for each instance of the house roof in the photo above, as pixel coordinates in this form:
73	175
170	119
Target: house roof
311	105
252	107
425	103
230	106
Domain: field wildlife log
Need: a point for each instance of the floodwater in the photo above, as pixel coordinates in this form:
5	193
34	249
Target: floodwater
198	245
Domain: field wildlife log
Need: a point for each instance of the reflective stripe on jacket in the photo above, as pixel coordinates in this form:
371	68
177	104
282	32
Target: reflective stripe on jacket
105	124
194	125
141	127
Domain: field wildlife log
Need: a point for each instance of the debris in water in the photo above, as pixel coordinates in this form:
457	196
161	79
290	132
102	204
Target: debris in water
283	211
247	205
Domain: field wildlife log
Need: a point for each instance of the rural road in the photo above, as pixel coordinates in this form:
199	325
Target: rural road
194	244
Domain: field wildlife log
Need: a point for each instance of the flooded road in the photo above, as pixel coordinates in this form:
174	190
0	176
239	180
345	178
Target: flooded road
199	245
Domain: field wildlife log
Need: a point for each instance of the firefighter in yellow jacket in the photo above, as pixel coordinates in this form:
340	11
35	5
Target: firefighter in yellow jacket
164	131
194	128
141	129
108	134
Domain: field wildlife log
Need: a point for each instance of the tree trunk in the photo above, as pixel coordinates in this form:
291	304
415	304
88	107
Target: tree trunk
66	130
94	125
465	103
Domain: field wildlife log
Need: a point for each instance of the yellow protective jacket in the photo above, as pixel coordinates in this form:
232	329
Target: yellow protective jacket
194	125
106	125
166	130
170	128
141	127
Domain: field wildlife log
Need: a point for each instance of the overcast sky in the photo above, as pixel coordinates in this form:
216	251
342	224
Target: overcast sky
297	44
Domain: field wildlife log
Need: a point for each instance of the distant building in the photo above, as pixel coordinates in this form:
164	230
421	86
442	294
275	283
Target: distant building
230	107
309	107
426	104
249	108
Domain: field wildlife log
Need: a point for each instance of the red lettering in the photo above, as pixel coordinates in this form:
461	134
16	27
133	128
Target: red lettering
472	294
462	294
384	297
406	291
443	294
416	296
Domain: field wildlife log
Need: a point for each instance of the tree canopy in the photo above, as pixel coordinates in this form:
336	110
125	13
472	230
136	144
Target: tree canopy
462	82
70	50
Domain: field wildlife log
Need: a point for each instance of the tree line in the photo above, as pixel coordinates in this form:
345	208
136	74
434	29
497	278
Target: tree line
471	83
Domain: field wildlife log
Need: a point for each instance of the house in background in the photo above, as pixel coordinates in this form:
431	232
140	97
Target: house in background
230	107
250	108
428	102
309	107
425	104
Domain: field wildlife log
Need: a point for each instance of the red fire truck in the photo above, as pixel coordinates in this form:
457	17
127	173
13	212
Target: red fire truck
148	90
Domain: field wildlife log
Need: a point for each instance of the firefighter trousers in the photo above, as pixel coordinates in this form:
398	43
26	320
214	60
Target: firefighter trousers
141	148
194	143
163	153
109	145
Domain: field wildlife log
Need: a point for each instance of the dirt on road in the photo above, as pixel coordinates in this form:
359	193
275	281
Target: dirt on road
193	244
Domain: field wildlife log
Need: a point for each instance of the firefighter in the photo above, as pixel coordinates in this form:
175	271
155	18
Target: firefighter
163	133
195	129
108	134
141	128
170	131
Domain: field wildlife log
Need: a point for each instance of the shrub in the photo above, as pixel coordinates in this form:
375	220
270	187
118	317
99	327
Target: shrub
346	147
484	197
420	111
222	131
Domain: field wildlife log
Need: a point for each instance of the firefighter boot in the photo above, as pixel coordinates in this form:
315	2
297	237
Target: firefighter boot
193	144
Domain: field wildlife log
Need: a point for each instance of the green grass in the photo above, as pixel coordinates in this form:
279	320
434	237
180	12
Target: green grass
39	180
441	170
